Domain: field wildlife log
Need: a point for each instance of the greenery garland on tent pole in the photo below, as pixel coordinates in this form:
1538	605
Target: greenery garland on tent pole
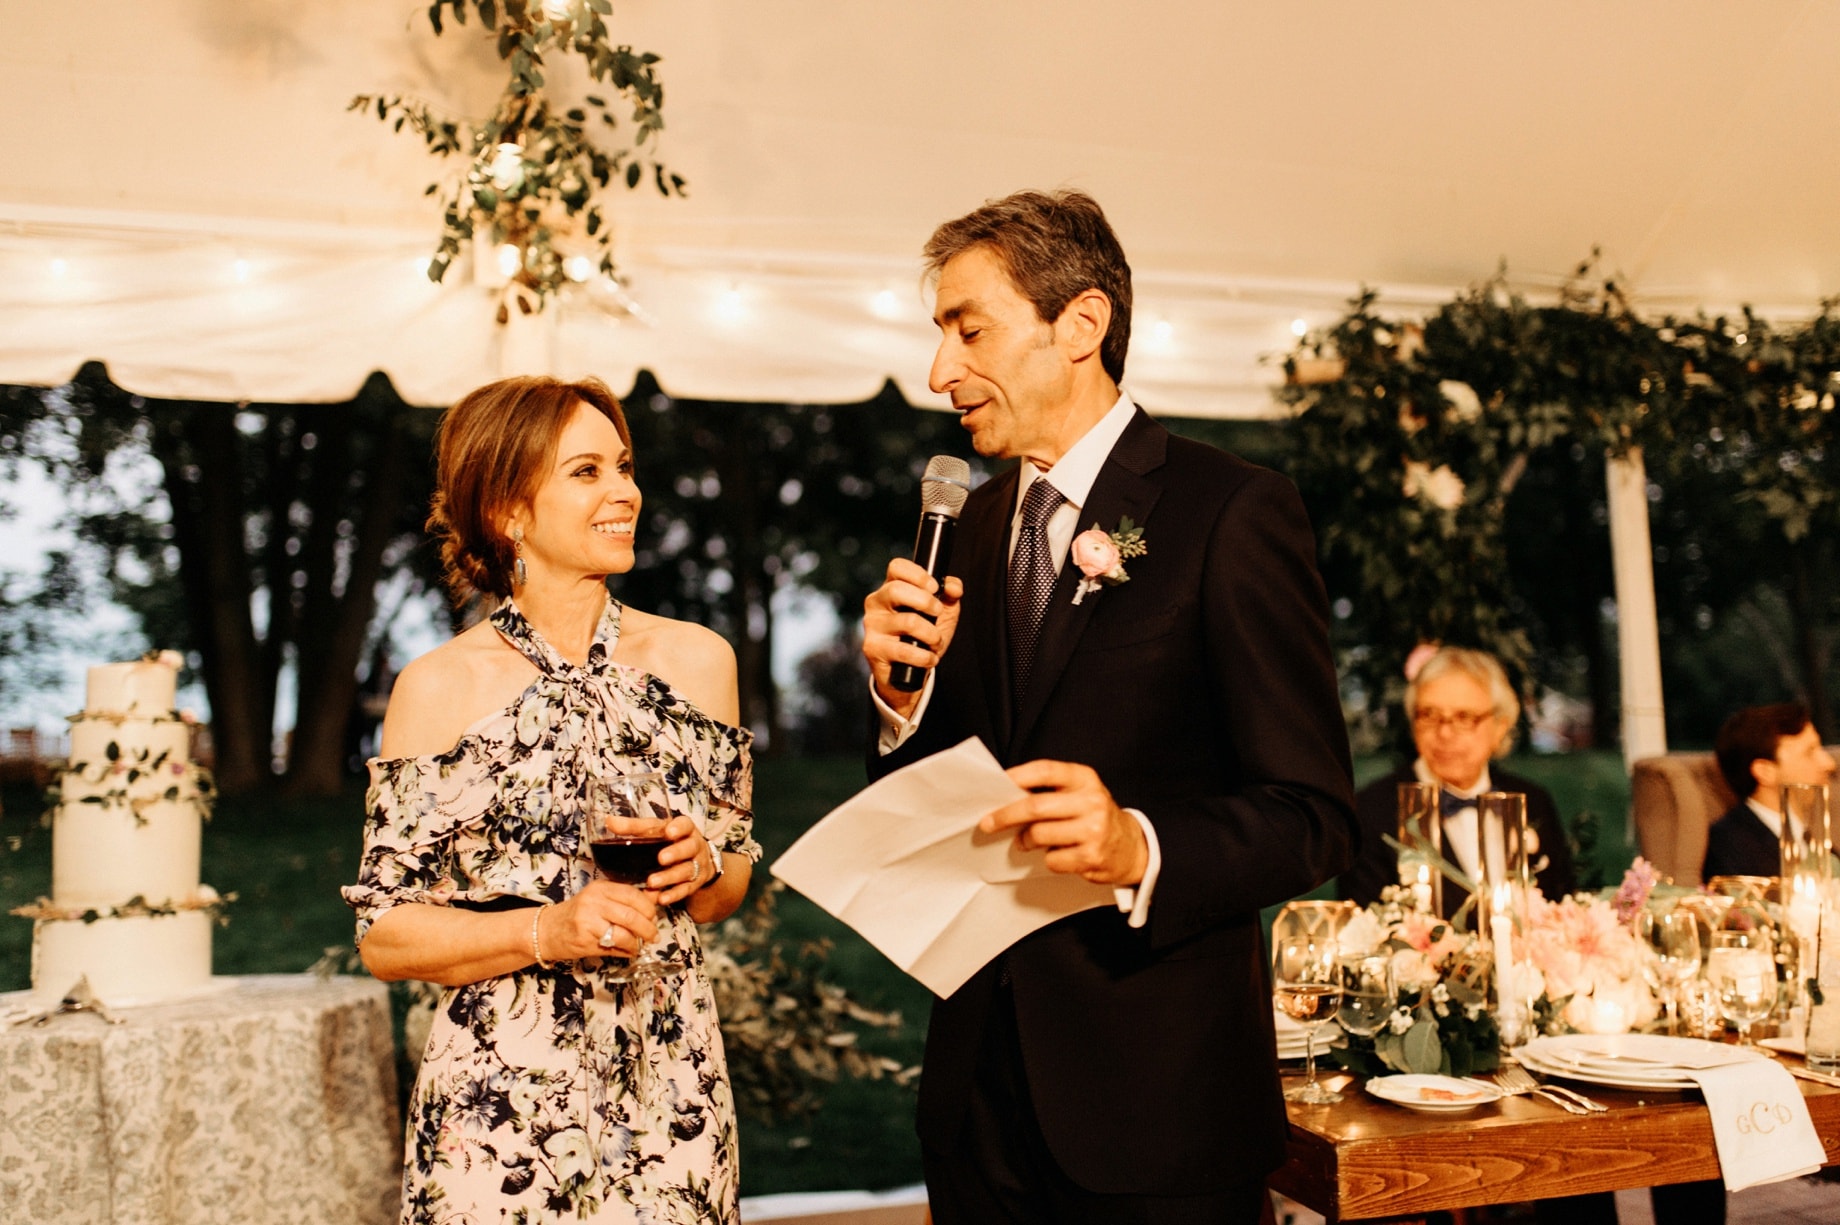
1410	436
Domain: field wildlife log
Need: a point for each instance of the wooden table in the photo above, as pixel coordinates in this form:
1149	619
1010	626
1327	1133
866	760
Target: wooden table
1363	1157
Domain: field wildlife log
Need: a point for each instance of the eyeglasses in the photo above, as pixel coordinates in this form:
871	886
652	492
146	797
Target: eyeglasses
1464	721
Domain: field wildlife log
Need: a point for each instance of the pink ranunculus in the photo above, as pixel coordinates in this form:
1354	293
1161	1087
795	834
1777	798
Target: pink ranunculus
1420	656
1094	553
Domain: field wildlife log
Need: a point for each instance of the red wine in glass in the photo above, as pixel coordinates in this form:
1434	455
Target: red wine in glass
628	860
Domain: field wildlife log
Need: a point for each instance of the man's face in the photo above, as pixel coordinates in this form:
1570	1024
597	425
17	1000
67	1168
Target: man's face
998	361
1801	759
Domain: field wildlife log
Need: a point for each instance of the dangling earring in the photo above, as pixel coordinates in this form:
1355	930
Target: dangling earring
519	574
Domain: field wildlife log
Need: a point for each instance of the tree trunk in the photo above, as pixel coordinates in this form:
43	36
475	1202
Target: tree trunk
338	618
197	450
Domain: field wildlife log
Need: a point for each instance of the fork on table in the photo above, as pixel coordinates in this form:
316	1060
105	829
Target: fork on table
1515	1080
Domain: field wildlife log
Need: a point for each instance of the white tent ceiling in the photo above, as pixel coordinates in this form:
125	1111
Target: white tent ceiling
190	202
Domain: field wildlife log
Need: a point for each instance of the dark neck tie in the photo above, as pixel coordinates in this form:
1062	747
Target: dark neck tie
1031	579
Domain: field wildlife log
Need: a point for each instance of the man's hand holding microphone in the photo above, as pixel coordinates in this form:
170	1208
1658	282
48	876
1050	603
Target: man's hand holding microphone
908	621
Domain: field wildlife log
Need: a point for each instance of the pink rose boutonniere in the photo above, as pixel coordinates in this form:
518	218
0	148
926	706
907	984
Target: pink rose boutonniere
1101	555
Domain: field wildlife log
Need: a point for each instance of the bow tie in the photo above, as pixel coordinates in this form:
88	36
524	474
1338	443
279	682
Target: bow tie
1450	804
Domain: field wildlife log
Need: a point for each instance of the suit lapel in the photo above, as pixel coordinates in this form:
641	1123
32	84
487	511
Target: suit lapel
1123	490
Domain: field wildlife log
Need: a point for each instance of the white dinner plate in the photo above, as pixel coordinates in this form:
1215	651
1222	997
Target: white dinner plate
1628	1061
1443	1094
1670	1082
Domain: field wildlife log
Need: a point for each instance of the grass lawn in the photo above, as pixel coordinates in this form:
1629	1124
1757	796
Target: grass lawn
286	861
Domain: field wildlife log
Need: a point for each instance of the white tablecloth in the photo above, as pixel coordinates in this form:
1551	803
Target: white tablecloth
272	1102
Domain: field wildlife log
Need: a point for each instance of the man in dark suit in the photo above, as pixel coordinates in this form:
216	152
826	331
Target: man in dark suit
1759	749
1180	735
1463	712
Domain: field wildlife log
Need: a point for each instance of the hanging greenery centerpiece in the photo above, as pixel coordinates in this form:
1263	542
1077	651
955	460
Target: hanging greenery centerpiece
535	169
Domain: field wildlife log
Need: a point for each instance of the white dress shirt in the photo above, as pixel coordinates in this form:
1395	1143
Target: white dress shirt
1073	476
1771	819
1460	836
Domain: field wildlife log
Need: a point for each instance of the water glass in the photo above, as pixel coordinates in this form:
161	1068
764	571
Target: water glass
1743	972
1670	943
1308	991
1368	994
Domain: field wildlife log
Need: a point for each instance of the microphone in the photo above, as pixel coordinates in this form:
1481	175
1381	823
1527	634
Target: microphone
943	491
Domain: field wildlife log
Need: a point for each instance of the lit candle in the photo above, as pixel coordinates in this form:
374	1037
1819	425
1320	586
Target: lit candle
1501	932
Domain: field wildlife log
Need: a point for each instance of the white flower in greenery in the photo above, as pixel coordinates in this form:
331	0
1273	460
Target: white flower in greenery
1413	971
1439	486
1465	404
1361	934
1400	1021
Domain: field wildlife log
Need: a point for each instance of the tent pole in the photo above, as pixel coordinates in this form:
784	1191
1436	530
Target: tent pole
1638	636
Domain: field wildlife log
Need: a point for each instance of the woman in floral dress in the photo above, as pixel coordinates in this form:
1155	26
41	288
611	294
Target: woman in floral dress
553	1087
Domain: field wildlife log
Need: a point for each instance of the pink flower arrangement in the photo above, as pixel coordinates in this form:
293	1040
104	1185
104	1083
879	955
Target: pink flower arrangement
1589	962
1420	656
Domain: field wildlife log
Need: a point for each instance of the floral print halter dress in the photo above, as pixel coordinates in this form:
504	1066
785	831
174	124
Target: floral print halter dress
560	1094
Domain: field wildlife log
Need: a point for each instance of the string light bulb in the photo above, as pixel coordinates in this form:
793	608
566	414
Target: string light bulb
1299	327
510	258
507	169
578	268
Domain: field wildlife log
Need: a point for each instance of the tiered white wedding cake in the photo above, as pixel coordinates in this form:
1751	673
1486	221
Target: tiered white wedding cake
126	909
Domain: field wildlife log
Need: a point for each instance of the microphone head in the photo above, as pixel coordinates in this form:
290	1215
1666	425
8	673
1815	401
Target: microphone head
945	486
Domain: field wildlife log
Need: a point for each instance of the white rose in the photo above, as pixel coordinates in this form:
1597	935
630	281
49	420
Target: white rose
1360	935
1439	486
1465	404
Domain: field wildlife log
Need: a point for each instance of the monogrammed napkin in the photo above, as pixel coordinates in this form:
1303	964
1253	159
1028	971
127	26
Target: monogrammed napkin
1760	1123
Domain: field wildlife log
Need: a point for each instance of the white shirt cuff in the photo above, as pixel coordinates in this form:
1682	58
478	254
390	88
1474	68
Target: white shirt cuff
895	729
1135	900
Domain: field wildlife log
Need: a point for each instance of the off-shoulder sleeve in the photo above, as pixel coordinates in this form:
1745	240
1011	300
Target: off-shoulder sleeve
413	807
731	789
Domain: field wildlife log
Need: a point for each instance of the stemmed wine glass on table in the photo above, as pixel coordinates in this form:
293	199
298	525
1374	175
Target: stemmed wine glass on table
1743	973
627	815
1670	941
1308	991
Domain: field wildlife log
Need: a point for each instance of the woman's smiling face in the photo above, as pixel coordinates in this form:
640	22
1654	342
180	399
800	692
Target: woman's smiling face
580	522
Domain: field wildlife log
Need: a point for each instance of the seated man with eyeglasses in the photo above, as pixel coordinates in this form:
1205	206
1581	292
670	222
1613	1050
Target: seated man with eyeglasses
1463	713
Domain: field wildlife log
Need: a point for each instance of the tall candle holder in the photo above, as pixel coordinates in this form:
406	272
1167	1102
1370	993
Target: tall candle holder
1806	843
1421	839
1504	877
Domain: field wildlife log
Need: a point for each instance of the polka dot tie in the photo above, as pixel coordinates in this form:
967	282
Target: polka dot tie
1031	579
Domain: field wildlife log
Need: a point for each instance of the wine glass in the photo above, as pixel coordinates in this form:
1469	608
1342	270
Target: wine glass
1368	994
626	816
1671	942
1307	990
1742	971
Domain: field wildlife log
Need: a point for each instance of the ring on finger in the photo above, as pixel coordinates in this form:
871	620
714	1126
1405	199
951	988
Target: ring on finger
607	937
696	870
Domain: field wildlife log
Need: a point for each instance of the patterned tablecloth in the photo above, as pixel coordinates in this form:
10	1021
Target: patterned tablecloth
271	1102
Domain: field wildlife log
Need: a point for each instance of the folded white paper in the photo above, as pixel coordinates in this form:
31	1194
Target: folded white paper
1760	1124
902	863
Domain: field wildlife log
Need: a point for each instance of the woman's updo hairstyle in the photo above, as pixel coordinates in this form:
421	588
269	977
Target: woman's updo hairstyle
492	451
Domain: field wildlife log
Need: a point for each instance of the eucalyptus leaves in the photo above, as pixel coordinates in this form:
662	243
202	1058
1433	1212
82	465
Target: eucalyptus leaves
1411	435
534	168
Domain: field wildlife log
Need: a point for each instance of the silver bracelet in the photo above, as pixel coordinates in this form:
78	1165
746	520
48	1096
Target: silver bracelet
536	949
715	858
